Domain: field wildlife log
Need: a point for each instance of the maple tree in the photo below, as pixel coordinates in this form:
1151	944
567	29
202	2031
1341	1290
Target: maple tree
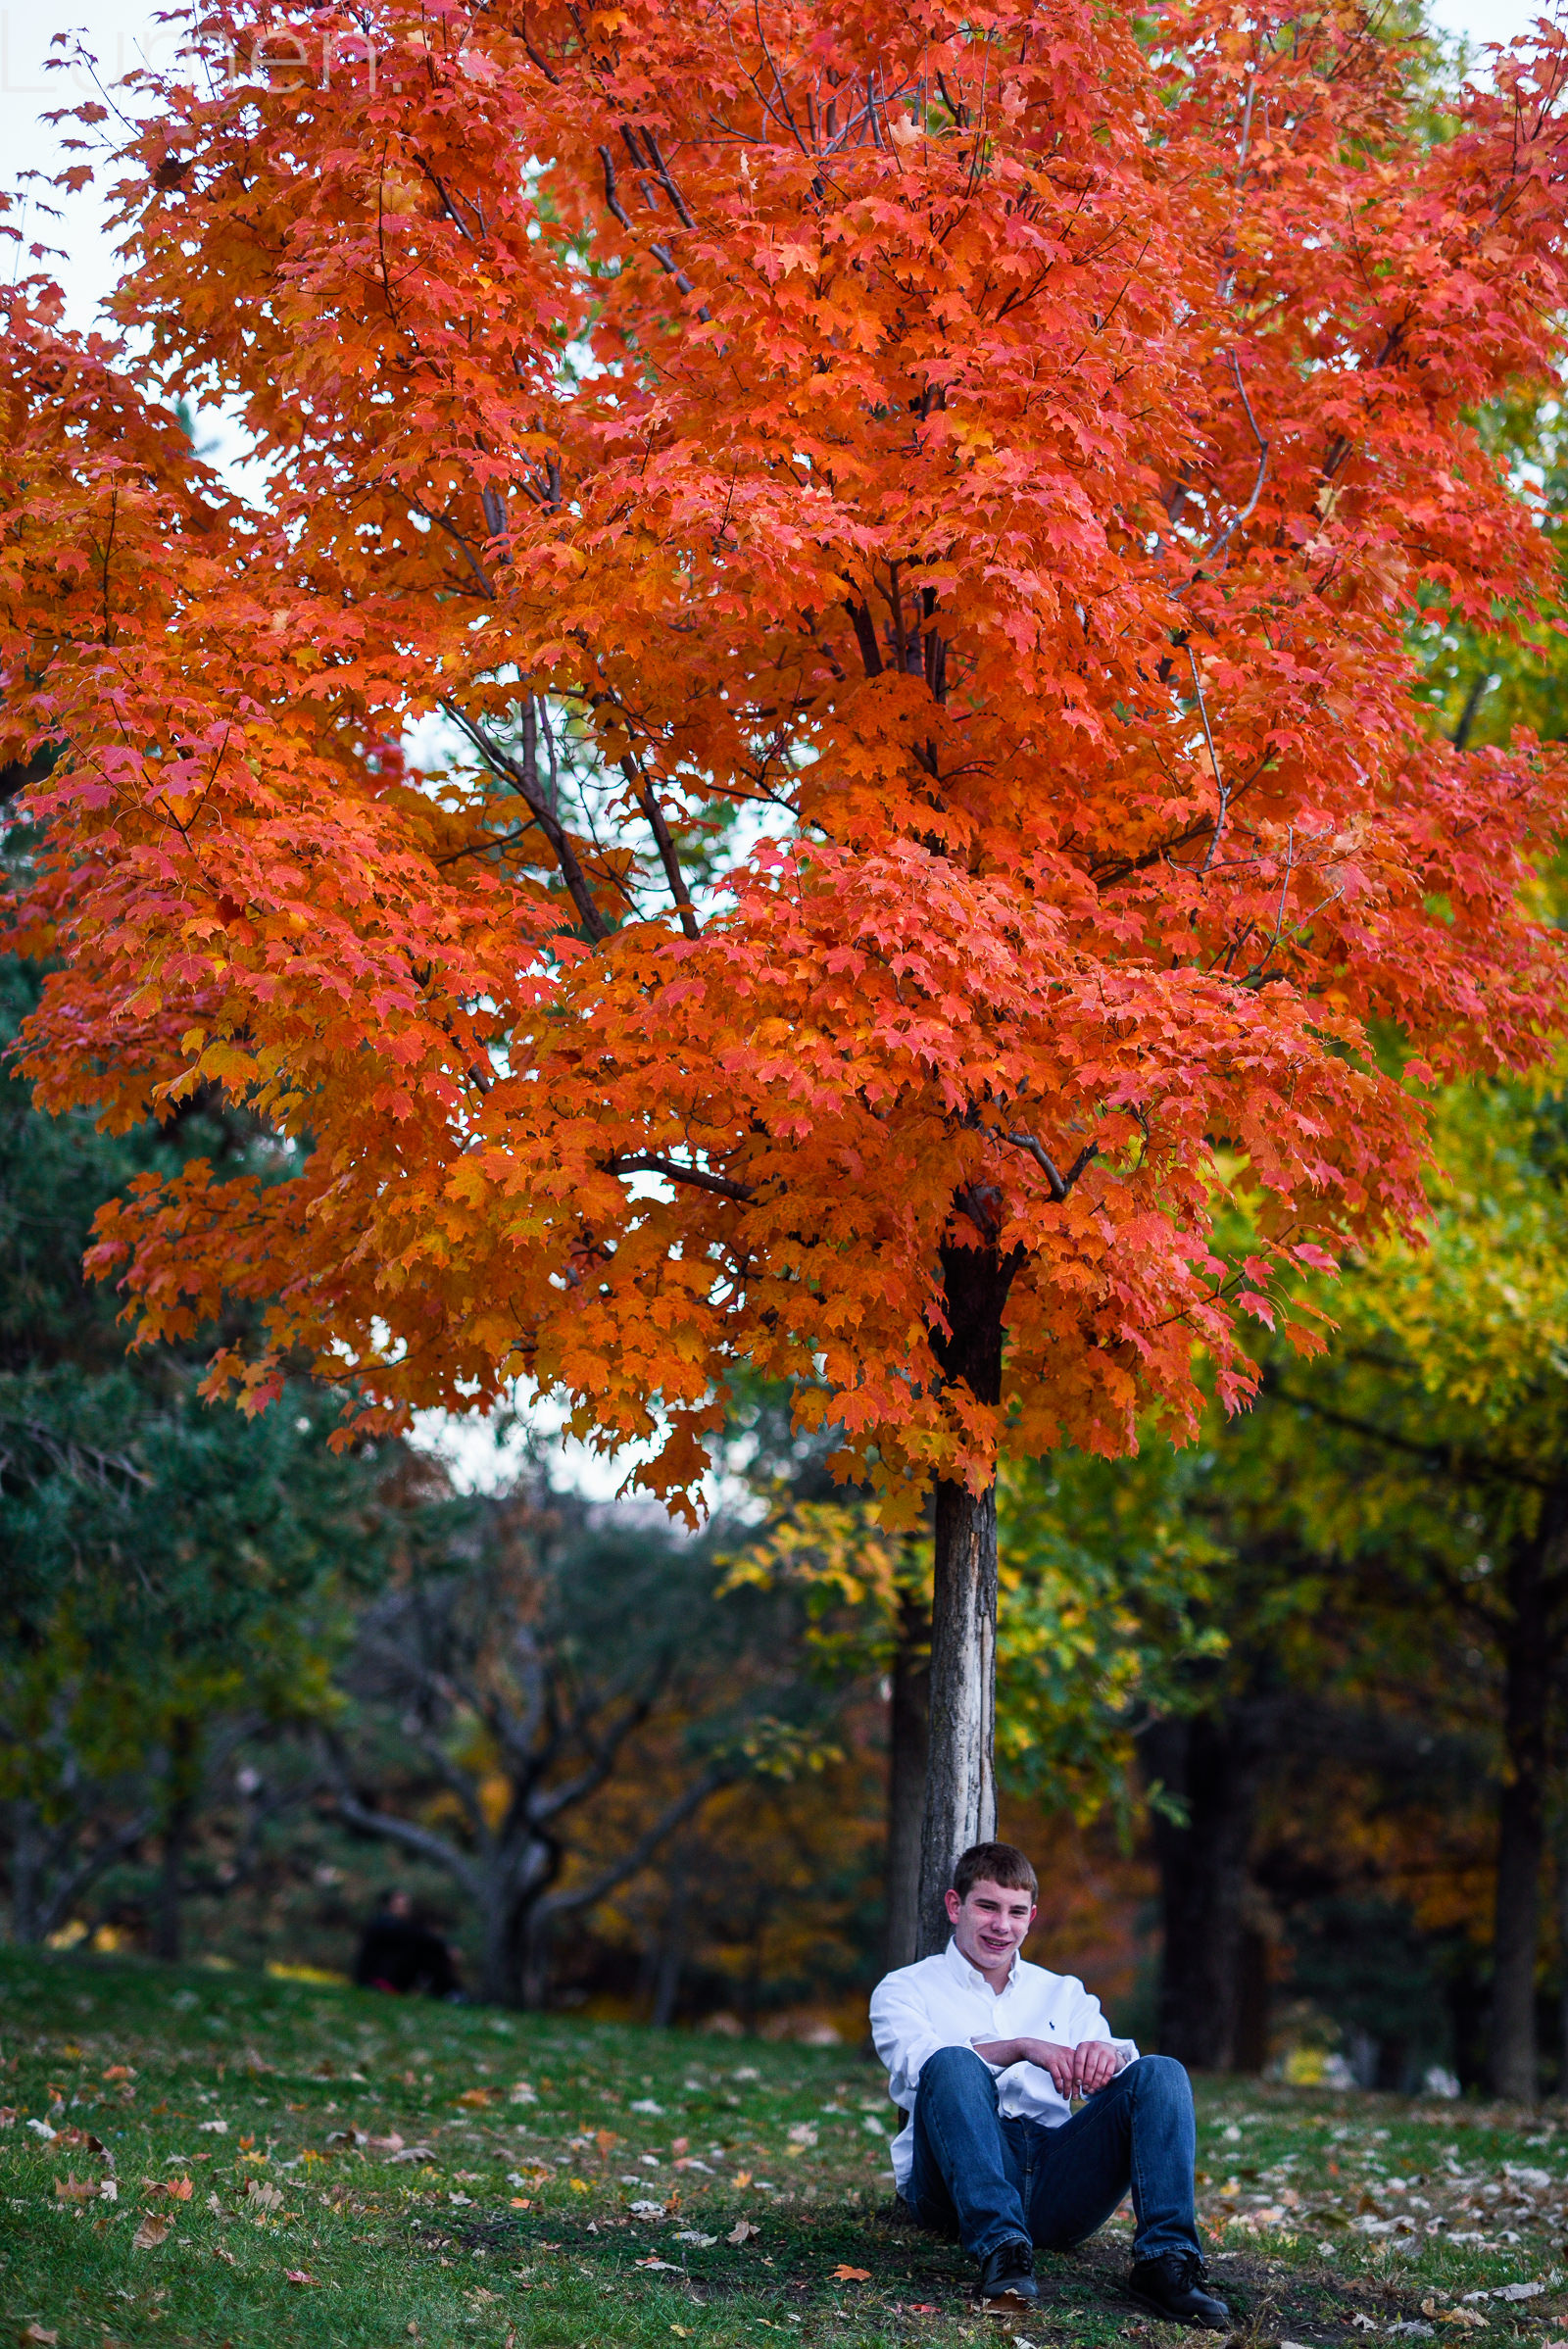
908	518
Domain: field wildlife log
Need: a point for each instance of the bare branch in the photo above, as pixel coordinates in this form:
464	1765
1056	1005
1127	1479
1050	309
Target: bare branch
1213	760
526	779
1247	511
648	1162
660	253
583	1896
410	1837
667	856
1060	1184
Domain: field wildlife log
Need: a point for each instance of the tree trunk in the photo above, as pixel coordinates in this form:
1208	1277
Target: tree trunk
181	1800
908	1746
1512	2058
1562	1958
960	1801
1210	1761
26	1872
672	1945
499	1983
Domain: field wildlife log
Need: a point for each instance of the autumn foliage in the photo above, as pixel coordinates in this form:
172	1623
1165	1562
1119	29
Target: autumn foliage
910	517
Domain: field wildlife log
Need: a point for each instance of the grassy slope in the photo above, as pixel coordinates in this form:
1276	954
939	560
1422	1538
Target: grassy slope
499	2238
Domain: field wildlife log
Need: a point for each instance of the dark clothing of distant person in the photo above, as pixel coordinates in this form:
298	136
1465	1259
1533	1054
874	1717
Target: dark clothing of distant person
398	1953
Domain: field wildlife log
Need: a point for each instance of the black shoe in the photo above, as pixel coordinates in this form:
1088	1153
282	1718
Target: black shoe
1008	2273
1172	2287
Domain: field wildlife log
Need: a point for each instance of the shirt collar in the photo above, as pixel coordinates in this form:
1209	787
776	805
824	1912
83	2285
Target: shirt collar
961	1969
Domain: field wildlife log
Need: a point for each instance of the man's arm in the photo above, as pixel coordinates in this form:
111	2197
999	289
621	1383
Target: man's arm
1077	2071
903	2033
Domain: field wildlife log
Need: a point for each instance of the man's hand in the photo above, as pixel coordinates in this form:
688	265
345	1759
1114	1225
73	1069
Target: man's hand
1097	2065
1077	2071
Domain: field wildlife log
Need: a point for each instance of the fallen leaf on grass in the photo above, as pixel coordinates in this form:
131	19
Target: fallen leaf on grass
119	2072
477	2097
668	2265
221	2251
742	2231
843	2274
151	2233
37	2332
70	2189
213	2128
689	2234
297	2275
7	2116
520	2202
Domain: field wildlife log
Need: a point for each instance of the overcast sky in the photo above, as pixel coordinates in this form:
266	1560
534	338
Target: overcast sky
123	32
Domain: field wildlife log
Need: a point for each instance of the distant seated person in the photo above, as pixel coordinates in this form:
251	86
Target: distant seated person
399	1953
985	2054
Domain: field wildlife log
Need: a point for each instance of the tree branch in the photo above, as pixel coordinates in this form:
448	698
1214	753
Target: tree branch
1060	1184
647	1162
583	1896
526	778
667	856
418	1839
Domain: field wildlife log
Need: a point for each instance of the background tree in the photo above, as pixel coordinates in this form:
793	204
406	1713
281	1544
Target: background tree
507	1689
166	1563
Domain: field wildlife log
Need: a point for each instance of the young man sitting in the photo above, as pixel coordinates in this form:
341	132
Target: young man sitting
985	2054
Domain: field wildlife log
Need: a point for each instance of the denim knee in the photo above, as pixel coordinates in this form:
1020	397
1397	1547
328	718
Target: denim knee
948	2066
1161	2075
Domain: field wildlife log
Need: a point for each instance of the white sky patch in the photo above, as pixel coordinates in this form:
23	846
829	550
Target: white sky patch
486	1453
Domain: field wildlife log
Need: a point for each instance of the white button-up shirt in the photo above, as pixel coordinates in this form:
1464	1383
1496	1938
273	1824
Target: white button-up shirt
943	2002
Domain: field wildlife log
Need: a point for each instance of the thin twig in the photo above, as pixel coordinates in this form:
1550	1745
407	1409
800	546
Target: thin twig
1213	760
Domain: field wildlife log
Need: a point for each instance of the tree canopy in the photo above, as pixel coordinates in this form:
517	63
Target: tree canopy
954	483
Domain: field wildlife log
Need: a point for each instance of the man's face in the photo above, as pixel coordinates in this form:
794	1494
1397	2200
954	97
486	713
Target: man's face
989	1924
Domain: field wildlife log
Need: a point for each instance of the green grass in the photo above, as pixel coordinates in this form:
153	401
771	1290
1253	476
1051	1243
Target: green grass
237	2081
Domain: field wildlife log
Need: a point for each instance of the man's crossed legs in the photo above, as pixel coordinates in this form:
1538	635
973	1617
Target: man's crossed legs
1005	2185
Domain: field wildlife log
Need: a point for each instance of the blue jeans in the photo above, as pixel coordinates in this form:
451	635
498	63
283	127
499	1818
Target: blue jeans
994	2180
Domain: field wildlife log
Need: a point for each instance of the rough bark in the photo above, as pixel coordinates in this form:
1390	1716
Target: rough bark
909	1747
1512	2060
1212	1762
960	1803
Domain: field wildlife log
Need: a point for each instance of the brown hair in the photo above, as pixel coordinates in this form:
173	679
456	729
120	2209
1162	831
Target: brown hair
1000	1864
